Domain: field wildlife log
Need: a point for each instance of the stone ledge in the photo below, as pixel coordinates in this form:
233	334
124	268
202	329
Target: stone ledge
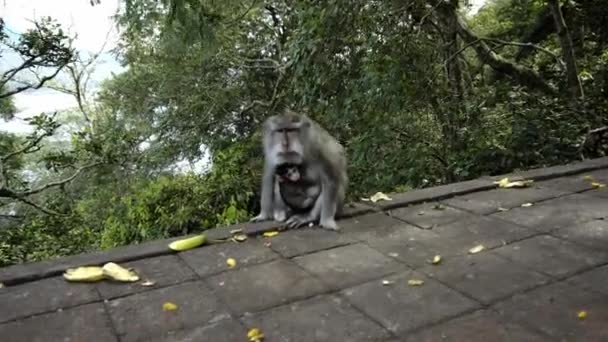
557	170
22	273
486	183
33	271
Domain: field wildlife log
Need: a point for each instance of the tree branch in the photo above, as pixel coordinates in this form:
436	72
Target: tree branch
38	207
27	147
30	86
57	183
521	73
528	45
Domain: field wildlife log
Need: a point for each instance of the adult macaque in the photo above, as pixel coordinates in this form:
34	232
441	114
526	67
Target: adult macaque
293	139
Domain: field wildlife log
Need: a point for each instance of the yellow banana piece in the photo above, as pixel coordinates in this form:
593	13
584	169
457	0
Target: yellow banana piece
119	273
189	243
84	274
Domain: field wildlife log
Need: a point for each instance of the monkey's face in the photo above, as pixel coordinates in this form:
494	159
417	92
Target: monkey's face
288	172
286	137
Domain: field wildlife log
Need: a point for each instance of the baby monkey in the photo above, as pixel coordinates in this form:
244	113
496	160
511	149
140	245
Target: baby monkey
293	191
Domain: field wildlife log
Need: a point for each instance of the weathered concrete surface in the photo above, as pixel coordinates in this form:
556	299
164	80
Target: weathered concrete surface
542	265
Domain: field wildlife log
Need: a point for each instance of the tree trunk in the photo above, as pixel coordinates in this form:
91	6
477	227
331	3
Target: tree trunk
574	83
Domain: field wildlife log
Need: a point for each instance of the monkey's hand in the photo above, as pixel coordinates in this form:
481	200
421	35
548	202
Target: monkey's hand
297	221
261	217
329	225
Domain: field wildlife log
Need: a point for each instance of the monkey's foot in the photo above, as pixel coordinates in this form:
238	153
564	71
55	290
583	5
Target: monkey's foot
297	221
280	215
329	225
261	217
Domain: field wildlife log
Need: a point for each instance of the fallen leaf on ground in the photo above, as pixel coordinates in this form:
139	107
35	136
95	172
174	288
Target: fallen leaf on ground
588	178
255	335
387	282
379	196
148	283
598	185
267	244
526	205
119	273
168	306
476	249
271	234
502	209
582	314
189	243
239	237
84	274
231	262
421	212
439	206
394	255
415	282
436	259
505	184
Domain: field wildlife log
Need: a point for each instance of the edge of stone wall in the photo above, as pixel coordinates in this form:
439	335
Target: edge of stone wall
22	273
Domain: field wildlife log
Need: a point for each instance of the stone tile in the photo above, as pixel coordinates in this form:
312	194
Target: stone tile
412	253
562	212
601	193
488	202
263	286
594	280
480	326
552	256
361	225
389	231
355	209
553	310
458	237
226	330
212	259
401	308
403	243
345	266
593	233
452	239
429	215
320	319
576	183
141	316
164	270
83	323
43	296
304	241
485	276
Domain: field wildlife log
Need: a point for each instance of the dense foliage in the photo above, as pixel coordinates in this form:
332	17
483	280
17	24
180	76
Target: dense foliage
418	92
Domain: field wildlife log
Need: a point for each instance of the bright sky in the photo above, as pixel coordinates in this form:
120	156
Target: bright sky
91	24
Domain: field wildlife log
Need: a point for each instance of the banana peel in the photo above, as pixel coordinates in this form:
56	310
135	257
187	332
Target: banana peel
116	272
189	243
119	273
95	273
84	274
